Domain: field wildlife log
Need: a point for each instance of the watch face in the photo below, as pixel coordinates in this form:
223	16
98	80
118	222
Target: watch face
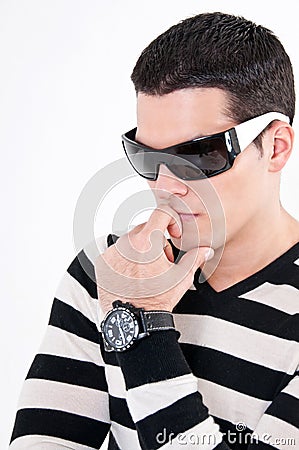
120	328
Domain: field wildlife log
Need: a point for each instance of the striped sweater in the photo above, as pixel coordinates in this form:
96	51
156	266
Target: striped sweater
226	379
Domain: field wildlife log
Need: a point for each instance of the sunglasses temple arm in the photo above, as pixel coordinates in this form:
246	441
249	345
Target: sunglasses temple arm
248	131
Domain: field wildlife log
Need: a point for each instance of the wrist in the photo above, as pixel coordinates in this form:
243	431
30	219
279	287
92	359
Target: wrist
125	325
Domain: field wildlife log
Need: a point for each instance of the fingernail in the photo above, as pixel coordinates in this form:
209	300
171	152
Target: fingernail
209	254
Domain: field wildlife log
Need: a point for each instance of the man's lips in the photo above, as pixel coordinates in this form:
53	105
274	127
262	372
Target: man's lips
189	212
186	217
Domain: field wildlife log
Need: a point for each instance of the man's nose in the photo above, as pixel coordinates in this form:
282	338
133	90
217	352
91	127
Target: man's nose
168	184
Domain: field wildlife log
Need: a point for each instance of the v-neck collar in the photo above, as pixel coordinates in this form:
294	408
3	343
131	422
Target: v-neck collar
249	283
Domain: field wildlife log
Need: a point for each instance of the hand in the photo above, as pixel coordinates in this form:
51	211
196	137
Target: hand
140	267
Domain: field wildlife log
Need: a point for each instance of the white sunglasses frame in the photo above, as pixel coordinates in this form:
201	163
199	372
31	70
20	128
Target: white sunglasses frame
249	130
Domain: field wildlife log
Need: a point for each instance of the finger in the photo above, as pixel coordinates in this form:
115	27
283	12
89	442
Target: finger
174	230
168	252
194	258
163	218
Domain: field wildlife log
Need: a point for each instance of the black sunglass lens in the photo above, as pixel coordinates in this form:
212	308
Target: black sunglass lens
186	171
205	157
191	161
143	162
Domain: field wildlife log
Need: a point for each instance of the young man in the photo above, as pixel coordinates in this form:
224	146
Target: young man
202	350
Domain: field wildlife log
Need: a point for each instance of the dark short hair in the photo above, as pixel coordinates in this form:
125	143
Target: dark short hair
224	51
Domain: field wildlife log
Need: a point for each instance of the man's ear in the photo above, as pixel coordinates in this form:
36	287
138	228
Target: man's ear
282	140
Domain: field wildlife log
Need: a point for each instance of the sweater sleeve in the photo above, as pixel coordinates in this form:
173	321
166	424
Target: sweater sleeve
169	412
64	399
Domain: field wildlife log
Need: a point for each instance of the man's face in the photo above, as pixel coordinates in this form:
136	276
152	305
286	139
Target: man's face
224	207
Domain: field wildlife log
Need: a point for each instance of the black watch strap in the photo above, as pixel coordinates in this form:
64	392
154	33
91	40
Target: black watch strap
125	324
158	320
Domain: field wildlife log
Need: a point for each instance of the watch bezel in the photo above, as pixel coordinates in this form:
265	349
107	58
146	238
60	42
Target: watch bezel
107	343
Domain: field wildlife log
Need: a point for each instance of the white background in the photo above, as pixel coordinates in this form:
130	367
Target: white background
65	98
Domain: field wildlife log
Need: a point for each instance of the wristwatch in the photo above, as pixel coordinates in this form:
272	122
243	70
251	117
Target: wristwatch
125	324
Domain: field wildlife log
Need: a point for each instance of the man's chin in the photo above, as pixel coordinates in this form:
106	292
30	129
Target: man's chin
188	242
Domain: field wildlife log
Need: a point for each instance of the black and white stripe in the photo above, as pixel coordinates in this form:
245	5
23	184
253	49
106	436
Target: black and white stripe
236	360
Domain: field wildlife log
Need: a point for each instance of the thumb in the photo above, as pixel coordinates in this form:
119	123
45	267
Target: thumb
194	258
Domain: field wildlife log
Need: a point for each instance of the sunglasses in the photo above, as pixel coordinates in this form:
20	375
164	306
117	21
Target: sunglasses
200	158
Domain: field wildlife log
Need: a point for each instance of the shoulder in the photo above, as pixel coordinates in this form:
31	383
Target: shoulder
78	287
